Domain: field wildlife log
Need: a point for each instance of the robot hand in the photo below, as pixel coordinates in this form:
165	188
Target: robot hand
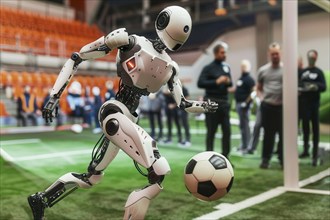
210	106
47	111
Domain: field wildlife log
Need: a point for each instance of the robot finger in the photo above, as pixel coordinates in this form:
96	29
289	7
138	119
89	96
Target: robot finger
50	117
56	111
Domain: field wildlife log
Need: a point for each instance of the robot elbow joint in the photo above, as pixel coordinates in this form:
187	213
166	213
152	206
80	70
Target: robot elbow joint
76	58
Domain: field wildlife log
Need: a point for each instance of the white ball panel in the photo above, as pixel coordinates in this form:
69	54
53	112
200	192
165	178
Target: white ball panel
203	171
221	178
203	155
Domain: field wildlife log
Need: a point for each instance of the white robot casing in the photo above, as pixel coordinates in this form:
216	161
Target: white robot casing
156	67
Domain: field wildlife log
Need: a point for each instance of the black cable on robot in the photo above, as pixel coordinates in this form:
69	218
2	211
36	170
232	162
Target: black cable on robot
94	155
139	169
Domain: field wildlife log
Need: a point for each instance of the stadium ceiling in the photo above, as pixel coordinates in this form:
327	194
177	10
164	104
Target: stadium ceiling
138	17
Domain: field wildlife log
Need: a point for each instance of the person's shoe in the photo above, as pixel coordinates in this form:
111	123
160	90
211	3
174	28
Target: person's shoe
37	206
264	165
249	152
187	144
314	162
184	144
97	130
167	141
304	155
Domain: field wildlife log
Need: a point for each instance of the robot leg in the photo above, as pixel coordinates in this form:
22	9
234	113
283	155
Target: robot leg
120	128
69	182
138	201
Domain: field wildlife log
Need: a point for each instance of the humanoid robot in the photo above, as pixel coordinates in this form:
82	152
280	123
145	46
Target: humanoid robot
144	67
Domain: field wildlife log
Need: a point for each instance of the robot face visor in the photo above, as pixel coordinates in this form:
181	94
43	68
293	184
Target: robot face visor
173	26
162	20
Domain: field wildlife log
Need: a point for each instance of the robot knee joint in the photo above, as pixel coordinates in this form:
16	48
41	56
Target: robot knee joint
154	178
158	170
112	126
106	109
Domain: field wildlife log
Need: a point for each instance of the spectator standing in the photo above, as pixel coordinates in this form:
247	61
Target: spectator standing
257	126
110	94
75	100
270	84
216	79
183	116
171	111
27	107
88	108
244	88
156	101
313	83
96	108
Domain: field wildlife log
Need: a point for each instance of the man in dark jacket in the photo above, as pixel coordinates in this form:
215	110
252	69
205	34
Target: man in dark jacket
312	83
215	79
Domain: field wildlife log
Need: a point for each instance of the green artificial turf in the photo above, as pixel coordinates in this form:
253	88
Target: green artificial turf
107	200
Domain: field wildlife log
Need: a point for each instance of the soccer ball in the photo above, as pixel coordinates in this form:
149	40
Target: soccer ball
208	176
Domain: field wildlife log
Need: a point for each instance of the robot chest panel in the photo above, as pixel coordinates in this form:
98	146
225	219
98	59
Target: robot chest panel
148	71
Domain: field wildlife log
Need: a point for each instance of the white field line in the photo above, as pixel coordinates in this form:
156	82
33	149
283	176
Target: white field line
48	156
225	209
50	149
20	141
315	178
31	141
6	156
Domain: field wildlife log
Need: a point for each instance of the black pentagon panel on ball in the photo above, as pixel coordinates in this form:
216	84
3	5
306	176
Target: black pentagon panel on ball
190	166
206	188
218	162
230	184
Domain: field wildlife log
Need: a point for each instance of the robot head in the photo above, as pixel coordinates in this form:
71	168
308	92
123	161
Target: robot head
173	26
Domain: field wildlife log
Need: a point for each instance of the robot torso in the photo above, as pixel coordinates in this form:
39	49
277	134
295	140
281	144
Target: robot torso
143	67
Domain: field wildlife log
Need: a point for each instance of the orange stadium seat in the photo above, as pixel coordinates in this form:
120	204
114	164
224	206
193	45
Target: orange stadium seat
17	78
26	78
3	110
34	29
46	79
3	78
36	79
18	90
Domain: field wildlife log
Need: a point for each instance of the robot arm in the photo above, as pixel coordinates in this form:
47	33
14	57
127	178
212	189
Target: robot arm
175	88
99	48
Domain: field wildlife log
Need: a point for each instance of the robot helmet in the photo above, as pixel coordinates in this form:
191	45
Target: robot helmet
173	26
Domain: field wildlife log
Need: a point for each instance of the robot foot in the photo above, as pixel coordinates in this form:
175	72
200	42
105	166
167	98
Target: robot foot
37	205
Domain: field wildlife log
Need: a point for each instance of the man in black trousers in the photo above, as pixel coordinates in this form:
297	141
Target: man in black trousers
215	79
312	83
270	85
